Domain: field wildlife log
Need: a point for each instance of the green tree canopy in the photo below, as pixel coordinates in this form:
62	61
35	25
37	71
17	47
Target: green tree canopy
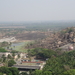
69	72
5	70
11	62
14	71
23	73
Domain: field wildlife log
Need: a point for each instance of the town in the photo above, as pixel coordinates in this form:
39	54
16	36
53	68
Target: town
23	61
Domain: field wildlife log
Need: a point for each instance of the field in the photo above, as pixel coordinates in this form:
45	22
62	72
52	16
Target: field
19	46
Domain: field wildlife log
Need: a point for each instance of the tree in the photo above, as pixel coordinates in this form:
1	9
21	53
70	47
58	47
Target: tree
37	72
47	73
69	72
4	44
13	54
8	47
18	55
9	56
14	71
11	63
3	58
0	59
30	72
9	71
5	70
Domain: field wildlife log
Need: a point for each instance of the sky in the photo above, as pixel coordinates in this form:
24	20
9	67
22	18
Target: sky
36	10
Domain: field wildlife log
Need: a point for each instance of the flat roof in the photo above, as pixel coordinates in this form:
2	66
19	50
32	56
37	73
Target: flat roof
31	62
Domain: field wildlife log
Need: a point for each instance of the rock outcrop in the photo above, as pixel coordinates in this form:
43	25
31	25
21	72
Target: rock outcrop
57	40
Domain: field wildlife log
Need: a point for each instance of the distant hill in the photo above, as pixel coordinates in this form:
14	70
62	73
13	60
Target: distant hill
44	26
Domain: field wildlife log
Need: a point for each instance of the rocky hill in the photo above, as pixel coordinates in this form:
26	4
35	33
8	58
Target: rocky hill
56	40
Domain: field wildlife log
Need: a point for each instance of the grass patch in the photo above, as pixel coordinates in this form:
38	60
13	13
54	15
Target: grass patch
20	46
3	50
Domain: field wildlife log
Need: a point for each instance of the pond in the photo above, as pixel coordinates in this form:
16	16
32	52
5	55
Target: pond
20	46
17	44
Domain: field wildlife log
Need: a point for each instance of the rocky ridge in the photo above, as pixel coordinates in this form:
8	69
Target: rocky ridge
57	40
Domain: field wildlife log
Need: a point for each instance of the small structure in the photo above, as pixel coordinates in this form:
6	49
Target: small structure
26	67
32	63
22	55
4	53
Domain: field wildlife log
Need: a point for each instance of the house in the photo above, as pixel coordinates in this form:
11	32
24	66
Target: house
4	53
22	55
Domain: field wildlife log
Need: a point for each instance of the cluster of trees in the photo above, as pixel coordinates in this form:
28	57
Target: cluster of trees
49	72
57	64
61	65
3	44
41	53
9	71
7	61
12	71
11	63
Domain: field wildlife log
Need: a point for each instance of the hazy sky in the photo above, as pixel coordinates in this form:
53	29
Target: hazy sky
37	10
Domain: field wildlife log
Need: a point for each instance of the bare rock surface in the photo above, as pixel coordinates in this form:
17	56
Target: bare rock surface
57	40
